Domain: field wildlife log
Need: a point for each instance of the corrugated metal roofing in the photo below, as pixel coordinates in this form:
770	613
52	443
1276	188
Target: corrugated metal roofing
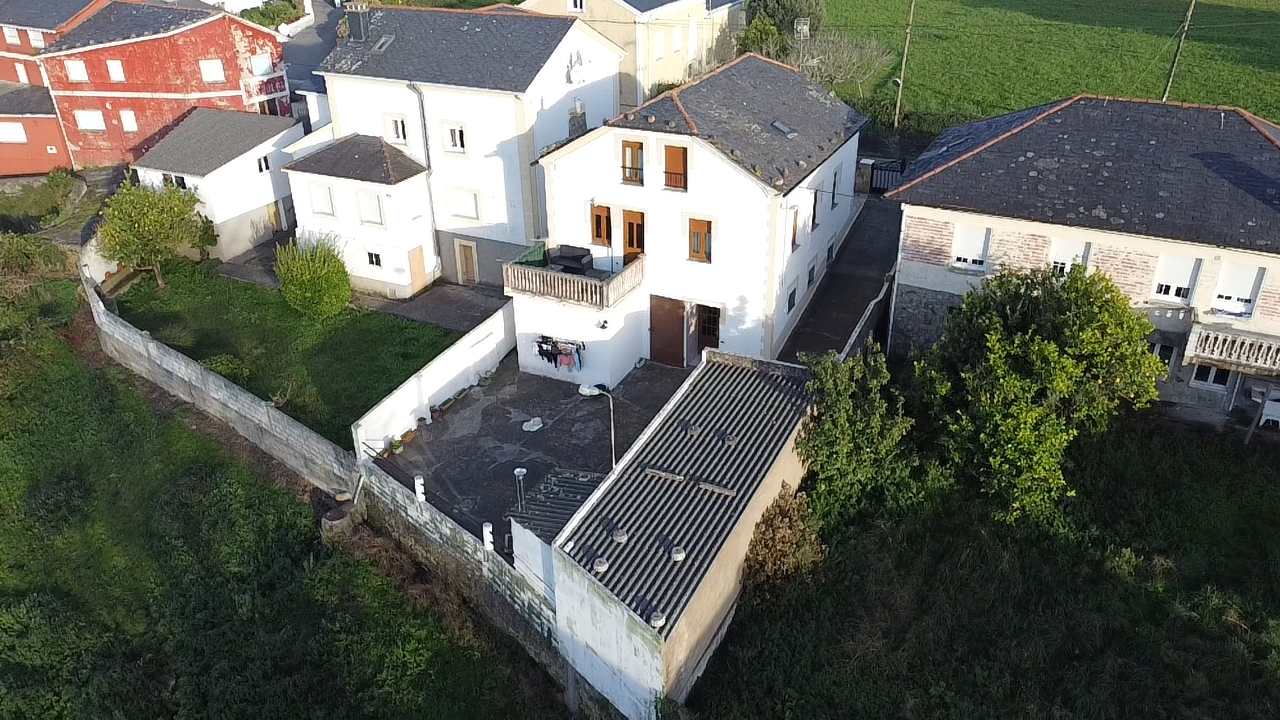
550	504
687	482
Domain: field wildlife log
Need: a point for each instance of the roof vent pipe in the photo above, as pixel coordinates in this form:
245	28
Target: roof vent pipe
678	554
599	565
785	129
657	619
620	536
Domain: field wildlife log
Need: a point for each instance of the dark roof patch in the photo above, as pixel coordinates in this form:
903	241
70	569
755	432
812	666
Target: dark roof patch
549	505
16	99
478	49
207	139
360	157
1200	174
735	108
39	14
687	482
126	21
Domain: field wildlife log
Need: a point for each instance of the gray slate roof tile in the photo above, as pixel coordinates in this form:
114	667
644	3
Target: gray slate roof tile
207	139
125	21
724	429
1201	174
476	49
360	157
734	109
17	99
39	14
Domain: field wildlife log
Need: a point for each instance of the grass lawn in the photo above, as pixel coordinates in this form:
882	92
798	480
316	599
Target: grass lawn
145	573
36	205
332	371
976	58
1163	600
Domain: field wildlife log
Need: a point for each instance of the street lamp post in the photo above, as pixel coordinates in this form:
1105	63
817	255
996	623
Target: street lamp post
593	391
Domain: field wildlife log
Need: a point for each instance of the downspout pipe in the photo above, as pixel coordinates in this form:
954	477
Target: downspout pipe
426	160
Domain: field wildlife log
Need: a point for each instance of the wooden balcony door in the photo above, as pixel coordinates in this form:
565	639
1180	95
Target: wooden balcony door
666	331
633	222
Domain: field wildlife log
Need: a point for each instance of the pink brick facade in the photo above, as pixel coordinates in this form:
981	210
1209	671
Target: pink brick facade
1268	304
927	241
1018	251
1132	272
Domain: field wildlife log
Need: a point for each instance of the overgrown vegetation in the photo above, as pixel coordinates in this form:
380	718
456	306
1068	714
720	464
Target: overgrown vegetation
325	373
313	279
36	205
274	13
142	228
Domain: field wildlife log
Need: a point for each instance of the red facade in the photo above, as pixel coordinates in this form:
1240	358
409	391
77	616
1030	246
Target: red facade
110	121
42	133
16	62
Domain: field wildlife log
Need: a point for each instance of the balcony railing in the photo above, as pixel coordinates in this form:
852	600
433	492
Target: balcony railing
677	180
259	88
1254	354
594	292
632	175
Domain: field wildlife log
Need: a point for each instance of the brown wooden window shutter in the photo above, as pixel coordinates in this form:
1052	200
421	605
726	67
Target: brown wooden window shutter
700	240
601	227
677	169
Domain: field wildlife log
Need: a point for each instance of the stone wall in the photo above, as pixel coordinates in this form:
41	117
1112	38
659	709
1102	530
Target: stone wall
918	318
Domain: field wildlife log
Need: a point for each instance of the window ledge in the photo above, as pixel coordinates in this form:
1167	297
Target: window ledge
700	261
979	272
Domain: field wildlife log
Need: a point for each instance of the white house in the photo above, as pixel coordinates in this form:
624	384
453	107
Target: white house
1178	204
472	96
705	218
234	162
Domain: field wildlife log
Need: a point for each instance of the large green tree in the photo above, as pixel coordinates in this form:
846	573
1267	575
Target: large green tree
784	13
141	228
1027	362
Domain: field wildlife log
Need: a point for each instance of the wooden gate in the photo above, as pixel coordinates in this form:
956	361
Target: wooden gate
666	331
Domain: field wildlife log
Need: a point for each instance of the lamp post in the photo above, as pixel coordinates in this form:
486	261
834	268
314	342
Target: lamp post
593	391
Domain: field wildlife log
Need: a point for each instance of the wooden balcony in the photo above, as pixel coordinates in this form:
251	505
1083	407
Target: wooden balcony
531	278
1221	347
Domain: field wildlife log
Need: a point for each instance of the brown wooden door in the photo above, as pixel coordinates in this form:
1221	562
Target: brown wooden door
417	269
666	331
634	223
468	269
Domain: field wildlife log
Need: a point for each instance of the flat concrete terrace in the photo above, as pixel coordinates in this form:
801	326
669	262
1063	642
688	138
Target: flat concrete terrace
467	456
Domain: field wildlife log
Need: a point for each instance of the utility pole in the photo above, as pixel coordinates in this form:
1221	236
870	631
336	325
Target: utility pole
1186	25
902	72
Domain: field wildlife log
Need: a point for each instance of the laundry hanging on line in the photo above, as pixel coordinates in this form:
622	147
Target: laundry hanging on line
565	354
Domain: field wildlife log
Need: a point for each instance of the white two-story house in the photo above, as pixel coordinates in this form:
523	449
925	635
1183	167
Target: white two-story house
470	96
704	218
1178	204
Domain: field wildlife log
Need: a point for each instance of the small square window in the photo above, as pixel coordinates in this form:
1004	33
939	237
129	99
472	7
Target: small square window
12	132
397	130
175	180
260	64
375	259
36	37
455	138
90	120
577	5
264	163
813	272
76	71
115	70
321	200
128	121
211	71
370	205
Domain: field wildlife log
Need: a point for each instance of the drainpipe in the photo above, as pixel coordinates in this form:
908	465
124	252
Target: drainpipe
426	160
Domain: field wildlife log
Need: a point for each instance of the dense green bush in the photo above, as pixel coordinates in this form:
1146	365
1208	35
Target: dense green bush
274	13
141	227
785	547
229	367
313	279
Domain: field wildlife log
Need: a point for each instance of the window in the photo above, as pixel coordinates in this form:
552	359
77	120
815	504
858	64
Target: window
632	163
835	188
795	229
1210	377
11	36
76	71
1164	352
397	131
813	220
1175	276
375	259
831	253
969	248
700	240
115	70
128	121
12	132
211	71
455	138
370	206
175	180
260	64
321	200
36	37
90	121
1066	254
464	204
264	164
677	167
601	226
813	272
677	36
1238	287
791	298
659	41
577	5
21	70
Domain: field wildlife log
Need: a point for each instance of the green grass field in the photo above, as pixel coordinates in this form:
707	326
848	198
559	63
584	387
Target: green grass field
332	371
976	58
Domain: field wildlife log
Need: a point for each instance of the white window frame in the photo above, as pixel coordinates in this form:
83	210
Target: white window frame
20	68
456	198
455	137
76	71
314	191
13	133
1066	254
207	73
128	121
36	38
577	6
257	67
11	36
115	71
362	204
1231	296
264	164
1168	285
397	129
99	126
1213	374
965	253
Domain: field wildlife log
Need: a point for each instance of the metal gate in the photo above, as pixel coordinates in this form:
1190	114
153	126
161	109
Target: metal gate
885	175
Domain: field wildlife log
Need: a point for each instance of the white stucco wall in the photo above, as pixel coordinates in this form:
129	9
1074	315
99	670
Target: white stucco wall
609	353
317	109
533	559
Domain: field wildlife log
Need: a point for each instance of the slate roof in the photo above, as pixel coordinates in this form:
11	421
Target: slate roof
39	14
477	49
207	139
125	21
735	108
549	505
711	447
19	99
360	157
1201	174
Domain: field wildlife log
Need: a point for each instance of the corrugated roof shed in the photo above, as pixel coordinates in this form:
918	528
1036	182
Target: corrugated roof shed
687	481
550	504
360	157
126	21
39	14
18	99
207	139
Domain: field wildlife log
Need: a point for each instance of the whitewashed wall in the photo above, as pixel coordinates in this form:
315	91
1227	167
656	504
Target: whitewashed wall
533	559
609	353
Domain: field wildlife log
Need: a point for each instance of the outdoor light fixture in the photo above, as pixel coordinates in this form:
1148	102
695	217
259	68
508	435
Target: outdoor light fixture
594	391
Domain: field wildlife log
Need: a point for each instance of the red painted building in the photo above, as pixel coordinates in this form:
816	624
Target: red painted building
30	135
128	74
29	26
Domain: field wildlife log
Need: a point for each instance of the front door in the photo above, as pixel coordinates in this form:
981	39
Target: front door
417	269
708	329
634	223
468	268
666	331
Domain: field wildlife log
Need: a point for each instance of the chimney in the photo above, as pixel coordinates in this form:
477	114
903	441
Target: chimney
358	21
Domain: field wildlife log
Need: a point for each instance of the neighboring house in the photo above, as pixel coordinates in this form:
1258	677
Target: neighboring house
369	199
666	41
705	218
234	162
472	96
645	574
30	137
29	26
129	73
1178	204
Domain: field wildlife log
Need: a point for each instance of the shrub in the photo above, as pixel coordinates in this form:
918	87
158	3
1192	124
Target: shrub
785	547
143	227
229	367
763	37
274	13
313	279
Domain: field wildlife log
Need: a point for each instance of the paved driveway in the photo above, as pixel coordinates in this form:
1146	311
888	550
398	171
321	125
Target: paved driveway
304	52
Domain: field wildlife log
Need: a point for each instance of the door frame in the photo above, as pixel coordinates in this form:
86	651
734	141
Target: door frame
458	244
683	328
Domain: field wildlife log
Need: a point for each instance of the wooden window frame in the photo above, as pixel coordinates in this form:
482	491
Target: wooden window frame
676	179
633	175
601	219
703	253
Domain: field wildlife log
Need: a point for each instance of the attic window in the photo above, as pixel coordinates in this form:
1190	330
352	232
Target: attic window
383	43
785	129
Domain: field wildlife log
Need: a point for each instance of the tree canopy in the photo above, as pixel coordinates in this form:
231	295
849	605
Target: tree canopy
143	227
784	13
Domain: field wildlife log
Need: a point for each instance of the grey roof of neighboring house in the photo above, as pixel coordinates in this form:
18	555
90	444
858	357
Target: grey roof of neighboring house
17	99
735	107
39	14
125	21
549	505
360	157
1200	174
490	50
207	139
687	482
